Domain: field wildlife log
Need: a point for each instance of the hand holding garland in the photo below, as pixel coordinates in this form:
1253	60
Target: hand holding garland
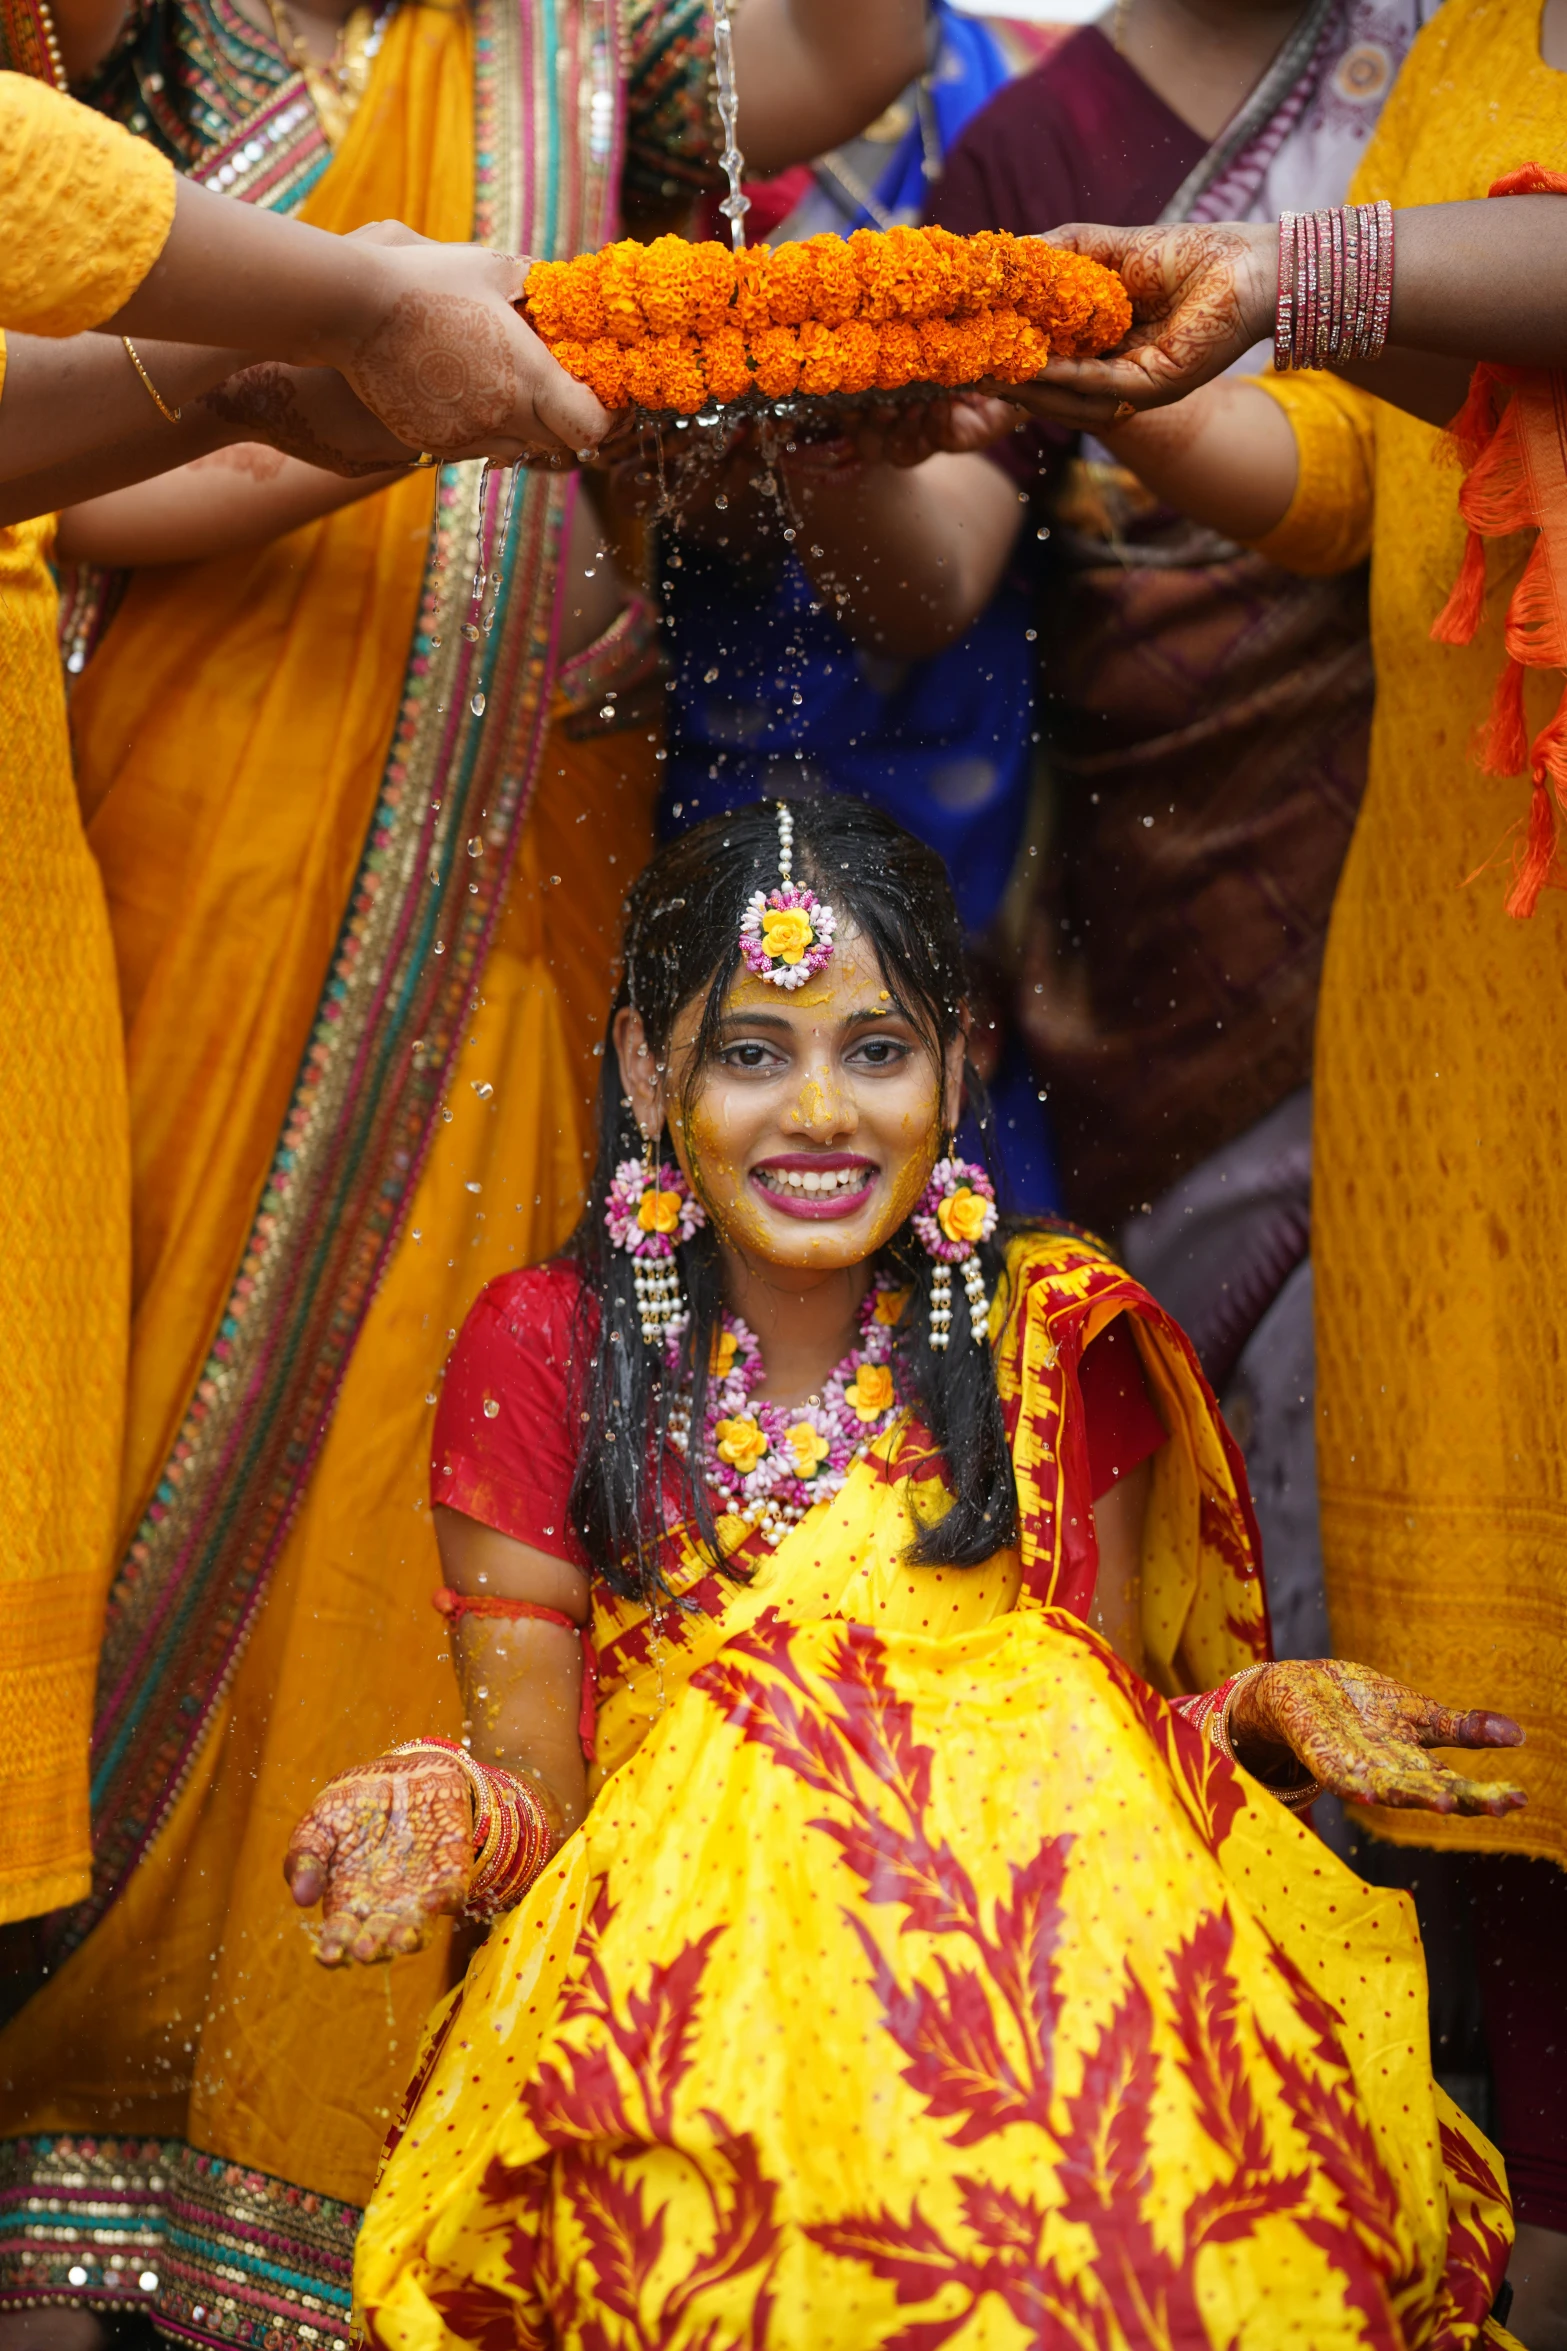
1472	281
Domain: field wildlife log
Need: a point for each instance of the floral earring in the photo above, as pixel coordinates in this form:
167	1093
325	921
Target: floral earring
649	1212
957	1211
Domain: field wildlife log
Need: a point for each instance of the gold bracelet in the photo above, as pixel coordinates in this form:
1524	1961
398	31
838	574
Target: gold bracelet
1296	1798
171	415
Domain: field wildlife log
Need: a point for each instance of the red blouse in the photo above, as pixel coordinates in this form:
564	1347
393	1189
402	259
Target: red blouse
505	1447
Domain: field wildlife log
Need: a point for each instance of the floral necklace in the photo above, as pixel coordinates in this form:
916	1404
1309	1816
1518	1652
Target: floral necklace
767	1464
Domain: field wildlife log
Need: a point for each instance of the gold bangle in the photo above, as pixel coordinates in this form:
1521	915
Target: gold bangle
1295	1798
170	415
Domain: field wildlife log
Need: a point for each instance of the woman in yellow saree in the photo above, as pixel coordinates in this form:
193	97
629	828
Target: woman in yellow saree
907	1969
361	1006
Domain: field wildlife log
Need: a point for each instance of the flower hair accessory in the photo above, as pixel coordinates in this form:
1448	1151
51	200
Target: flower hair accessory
957	1211
786	934
650	1211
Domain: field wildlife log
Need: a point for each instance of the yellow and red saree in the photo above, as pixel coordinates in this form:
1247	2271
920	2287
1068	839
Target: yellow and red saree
918	1977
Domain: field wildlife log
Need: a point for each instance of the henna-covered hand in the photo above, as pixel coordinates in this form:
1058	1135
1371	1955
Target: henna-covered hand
449	366
1363	1736
309	413
1201	296
387	1849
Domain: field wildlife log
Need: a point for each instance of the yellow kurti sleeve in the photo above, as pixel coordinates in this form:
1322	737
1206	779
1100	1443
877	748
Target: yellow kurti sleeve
85	210
1328	526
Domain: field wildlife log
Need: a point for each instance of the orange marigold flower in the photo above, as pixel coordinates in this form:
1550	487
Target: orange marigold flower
712	286
821	358
859	355
974	337
581	302
724	364
617	282
665	277
791	285
542	291
988	268
1005	327
898	357
837	280
775	354
645	374
752	270
901	274
601	365
680	368
941	350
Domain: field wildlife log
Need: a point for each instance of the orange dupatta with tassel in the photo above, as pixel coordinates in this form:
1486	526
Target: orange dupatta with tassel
1514	453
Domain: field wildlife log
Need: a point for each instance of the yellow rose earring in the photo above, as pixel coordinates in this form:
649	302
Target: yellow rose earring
786	934
650	1211
957	1211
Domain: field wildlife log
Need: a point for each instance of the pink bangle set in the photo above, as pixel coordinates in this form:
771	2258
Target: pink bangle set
1335	285
1209	1713
512	1837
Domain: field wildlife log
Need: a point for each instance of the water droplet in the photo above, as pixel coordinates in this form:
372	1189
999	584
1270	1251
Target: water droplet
430	1399
1043	531
446	1118
471	1187
475	845
417	1234
477	706
721	503
491	1408
710	677
435	644
483	1089
470	629
439	948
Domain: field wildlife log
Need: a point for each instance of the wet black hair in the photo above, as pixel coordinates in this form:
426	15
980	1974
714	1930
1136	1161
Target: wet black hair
682	944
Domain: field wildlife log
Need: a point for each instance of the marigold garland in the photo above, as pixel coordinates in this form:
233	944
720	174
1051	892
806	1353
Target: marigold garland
671	325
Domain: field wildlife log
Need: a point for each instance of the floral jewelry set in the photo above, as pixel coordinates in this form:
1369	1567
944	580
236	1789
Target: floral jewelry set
768	1465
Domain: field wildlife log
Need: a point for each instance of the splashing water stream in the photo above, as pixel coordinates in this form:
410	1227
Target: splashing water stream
736	204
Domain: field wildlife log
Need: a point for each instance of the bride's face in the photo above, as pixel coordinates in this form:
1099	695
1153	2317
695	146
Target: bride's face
813	1131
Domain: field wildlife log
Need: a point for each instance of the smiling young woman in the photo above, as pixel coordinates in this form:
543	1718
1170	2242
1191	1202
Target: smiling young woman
878	1947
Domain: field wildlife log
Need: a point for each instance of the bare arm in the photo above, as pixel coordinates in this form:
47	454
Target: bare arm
812	73
521	1680
62	398
269	449
1226	455
387	1847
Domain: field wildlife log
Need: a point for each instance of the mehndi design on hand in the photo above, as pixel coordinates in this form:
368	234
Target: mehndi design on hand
1368	1738
387	1848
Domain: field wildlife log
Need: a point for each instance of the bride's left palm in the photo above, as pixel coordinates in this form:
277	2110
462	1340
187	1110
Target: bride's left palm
1363	1736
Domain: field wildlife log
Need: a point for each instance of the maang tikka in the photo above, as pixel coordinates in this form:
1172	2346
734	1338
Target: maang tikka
650	1210
786	934
957	1211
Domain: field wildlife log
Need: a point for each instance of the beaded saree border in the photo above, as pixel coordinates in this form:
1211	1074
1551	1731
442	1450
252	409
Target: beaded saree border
421	913
210	2251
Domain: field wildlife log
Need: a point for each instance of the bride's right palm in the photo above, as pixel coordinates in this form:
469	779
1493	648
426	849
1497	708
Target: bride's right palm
386	1850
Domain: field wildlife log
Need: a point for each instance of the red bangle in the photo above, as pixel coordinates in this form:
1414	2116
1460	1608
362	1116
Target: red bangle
1335	285
1208	1712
